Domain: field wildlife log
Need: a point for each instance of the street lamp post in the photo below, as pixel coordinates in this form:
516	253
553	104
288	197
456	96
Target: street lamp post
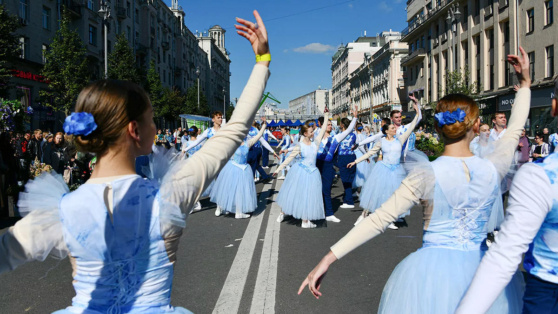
224	107
198	74
453	18
104	11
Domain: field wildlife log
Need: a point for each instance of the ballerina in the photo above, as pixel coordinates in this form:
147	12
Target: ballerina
234	190
465	194
387	174
363	169
120	230
301	195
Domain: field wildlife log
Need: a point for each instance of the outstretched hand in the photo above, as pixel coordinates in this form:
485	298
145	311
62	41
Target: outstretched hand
315	277
355	112
256	33
350	165
521	66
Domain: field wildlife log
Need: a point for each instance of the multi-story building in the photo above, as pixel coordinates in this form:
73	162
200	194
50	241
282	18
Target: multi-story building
313	103
347	59
376	86
476	36
154	30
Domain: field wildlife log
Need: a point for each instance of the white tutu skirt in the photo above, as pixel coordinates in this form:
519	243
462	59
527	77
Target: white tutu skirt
383	180
160	309
434	280
301	194
363	170
234	189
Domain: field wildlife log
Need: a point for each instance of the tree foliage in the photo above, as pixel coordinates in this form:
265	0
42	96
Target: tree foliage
65	68
458	83
192	102
122	62
9	46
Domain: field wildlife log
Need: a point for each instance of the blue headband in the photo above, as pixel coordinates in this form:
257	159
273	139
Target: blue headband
79	123
359	128
190	130
447	117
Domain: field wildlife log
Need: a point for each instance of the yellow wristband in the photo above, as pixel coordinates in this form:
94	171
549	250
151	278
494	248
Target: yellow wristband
264	57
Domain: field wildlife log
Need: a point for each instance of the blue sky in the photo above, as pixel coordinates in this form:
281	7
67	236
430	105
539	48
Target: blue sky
303	36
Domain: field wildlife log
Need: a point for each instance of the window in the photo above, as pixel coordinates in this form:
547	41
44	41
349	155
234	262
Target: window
44	50
491	77
531	56
477	7
91	5
46	18
490	37
128	9
137	16
129	33
506	30
530	20
24	11
549	7
550	61
466	53
24	47
92	35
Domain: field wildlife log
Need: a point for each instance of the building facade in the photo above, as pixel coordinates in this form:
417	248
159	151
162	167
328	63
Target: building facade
154	31
313	103
475	36
346	60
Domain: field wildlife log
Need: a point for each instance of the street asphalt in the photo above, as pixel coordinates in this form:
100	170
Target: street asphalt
228	265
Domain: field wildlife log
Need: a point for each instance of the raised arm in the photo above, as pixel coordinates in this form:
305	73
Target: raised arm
320	135
271	135
256	138
341	136
530	202
188	179
368	154
403	138
292	155
504	149
266	145
371	139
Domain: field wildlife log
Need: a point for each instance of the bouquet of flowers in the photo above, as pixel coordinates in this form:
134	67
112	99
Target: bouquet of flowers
37	168
12	115
429	144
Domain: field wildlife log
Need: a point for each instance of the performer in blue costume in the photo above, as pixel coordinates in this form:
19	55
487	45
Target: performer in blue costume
531	227
324	162
192	134
363	169
234	190
265	155
255	154
464	204
120	230
285	144
387	174
346	155
301	194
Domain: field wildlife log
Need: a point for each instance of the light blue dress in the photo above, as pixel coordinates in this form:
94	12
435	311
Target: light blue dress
234	190
301	193
385	177
363	169
436	277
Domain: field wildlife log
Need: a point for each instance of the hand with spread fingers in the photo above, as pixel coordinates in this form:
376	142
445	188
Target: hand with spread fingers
256	33
521	66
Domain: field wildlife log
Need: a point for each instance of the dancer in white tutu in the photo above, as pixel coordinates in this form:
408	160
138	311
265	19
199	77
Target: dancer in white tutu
364	168
122	231
301	193
464	204
285	144
234	190
387	174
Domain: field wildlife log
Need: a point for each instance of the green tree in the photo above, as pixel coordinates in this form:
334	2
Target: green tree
65	68
122	62
458	83
230	110
155	89
192	102
9	47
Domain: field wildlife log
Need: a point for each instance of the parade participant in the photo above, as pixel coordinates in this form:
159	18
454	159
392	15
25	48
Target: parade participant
523	149
531	228
362	169
120	230
483	144
553	140
265	155
192	134
301	195
255	153
499	123
463	192
285	144
217	119
326	151
234	190
387	174
345	156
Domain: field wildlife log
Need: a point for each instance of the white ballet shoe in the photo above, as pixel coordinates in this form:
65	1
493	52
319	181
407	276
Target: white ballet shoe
241	216
308	225
281	178
218	211
280	218
332	218
392	226
360	218
347	206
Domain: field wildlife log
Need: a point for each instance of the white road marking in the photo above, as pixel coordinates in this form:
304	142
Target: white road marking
231	294
263	300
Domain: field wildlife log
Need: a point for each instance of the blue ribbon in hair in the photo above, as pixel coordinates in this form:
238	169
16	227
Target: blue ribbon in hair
359	128
447	117
80	123
190	130
311	124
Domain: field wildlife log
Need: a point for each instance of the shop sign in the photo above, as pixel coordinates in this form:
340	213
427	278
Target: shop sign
30	76
539	98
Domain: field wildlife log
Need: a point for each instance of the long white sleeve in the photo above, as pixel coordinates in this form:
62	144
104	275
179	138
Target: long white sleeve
288	160
377	147
529	202
318	137
187	180
411	127
266	145
505	147
371	139
270	135
202	137
256	138
341	136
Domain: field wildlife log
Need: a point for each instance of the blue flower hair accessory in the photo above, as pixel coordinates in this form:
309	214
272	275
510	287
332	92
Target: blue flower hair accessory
447	117
359	128
190	130
80	123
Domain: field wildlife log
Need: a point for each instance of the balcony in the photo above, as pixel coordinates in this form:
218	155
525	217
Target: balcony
74	8
434	12
120	12
414	57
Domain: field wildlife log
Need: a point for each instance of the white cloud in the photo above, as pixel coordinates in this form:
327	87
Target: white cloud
384	6
350	5
315	48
